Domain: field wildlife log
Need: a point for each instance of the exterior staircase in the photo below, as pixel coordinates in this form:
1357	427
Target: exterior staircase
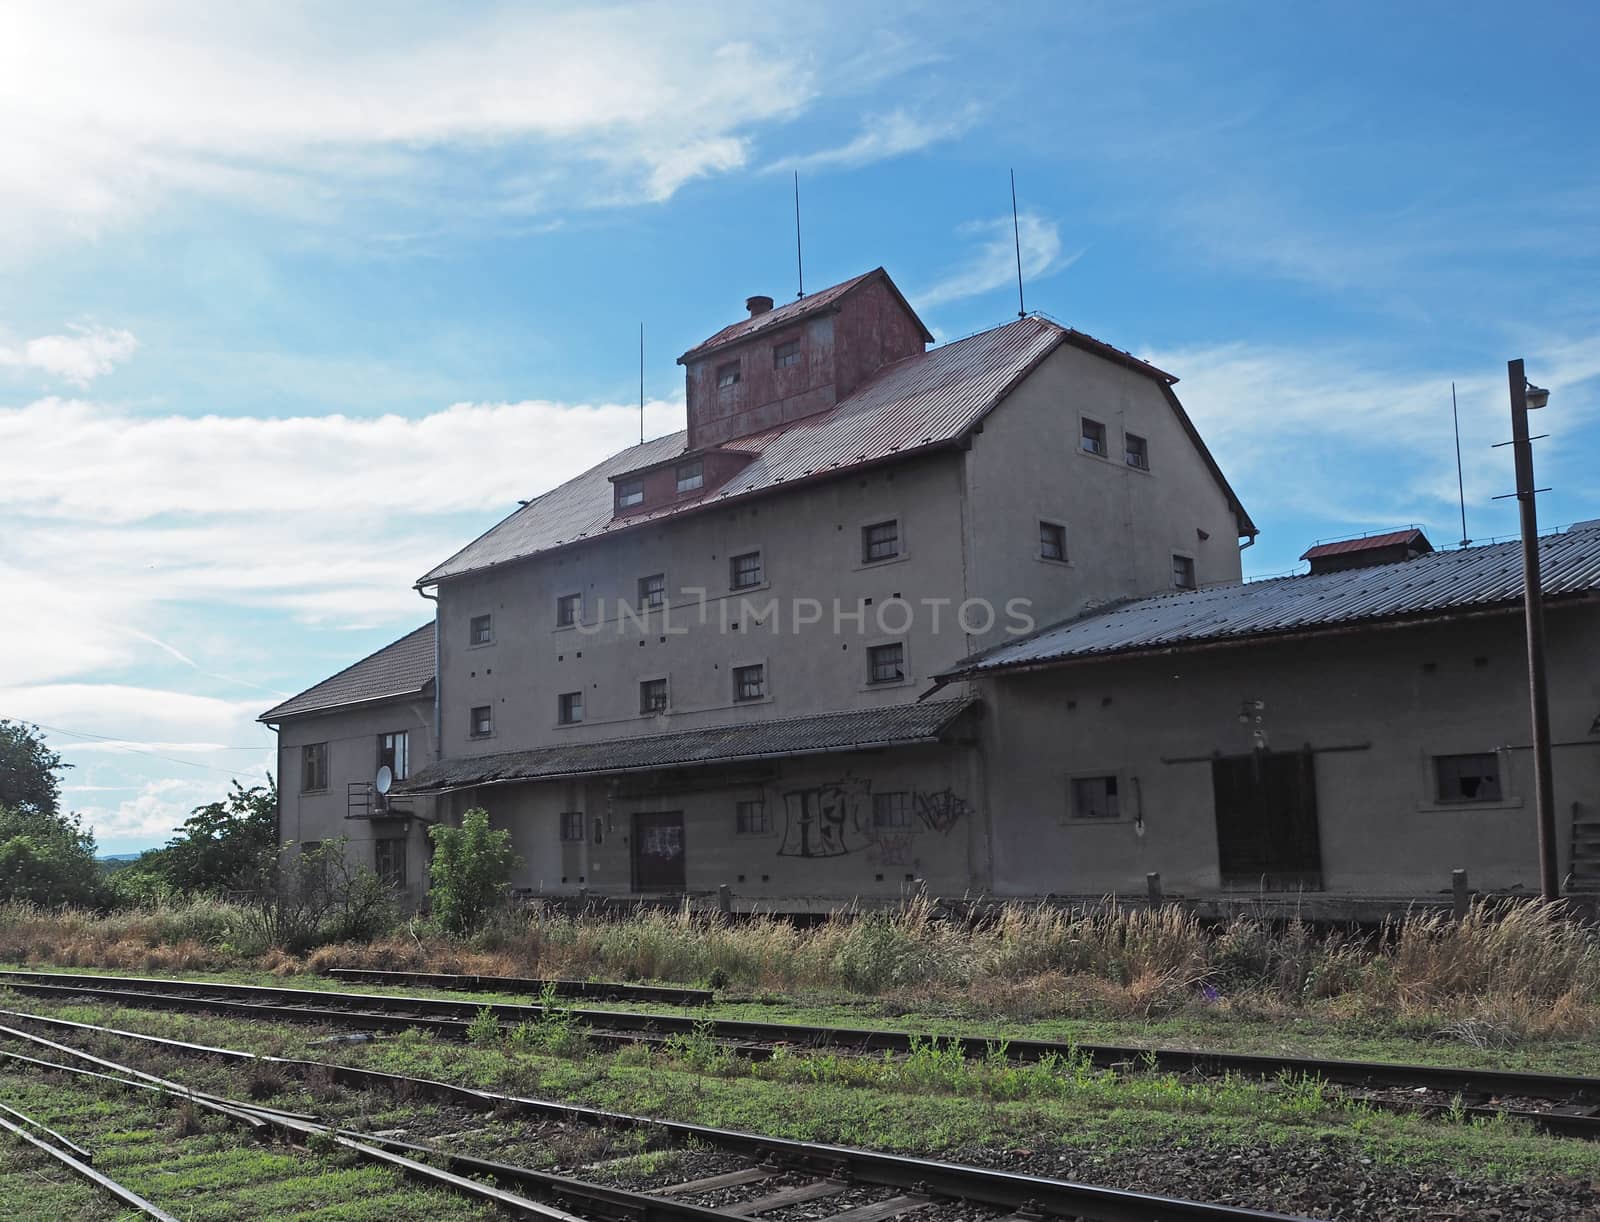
1585	876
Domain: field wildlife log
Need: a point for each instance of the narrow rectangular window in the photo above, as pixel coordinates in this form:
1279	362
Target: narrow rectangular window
482	721
691	475
1137	451
569	610
727	375
481	631
389	861
569	708
1468	778
880	541
571	825
886	663
786	354
750	818
1095	797
749	682
891	809
313	767
745	571
1094	437
630	493
394	753
653	591
1183	572
1052	541
653	696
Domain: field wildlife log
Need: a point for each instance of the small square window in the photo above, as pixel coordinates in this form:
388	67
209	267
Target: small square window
1468	778
1183	572
481	631
630	494
727	375
653	696
891	809
313	767
1136	451
784	355
1095	797
569	708
749	682
1052	541
571	825
886	663
653	591
569	610
744	571
1094	437
691	475
481	723
880	541
750	819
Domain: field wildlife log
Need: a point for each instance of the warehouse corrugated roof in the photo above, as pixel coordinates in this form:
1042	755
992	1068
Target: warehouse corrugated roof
404	668
846	730
1435	584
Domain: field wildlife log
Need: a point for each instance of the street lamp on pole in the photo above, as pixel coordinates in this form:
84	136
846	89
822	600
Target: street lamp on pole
1524	398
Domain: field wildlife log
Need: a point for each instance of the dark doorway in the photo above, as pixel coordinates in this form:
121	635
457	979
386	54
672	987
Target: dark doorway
1267	820
658	861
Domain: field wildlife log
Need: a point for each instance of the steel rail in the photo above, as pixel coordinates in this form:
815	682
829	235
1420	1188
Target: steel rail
1005	1189
397	1010
71	1147
471	982
100	1180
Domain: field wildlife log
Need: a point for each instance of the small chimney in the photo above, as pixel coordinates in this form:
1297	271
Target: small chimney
757	304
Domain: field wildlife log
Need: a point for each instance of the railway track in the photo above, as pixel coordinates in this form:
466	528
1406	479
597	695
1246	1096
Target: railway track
671	995
1563	1105
764	1175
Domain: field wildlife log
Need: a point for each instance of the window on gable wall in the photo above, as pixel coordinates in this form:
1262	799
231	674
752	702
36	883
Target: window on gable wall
1467	778
1094	437
1052	541
481	630
1136	450
727	375
569	610
653	591
786	354
1183	572
1095	797
691	475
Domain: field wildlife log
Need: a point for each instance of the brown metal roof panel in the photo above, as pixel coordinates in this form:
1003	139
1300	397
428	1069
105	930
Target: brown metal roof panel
401	668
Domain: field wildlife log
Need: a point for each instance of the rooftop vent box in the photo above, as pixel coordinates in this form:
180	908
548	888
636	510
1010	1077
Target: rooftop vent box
1392	547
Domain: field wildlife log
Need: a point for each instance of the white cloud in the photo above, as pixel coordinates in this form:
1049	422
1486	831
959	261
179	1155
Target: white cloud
993	262
79	358
153	814
882	137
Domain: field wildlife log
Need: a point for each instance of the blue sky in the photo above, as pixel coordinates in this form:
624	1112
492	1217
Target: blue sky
293	301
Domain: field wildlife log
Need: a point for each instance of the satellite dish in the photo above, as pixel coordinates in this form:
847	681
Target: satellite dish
384	779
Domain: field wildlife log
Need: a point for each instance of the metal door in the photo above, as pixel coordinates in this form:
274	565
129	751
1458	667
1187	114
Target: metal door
1266	805
658	860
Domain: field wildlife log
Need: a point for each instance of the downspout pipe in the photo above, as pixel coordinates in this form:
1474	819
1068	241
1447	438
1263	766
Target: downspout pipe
438	709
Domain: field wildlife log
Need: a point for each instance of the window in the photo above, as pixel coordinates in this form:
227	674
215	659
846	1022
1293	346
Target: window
653	591
727	375
749	682
389	861
572	825
1136	451
1095	797
1052	541
569	610
691	475
569	708
1183	572
750	819
786	354
880	541
630	493
1468	778
744	571
310	846
886	663
481	631
891	809
394	753
313	767
482	721
653	696
1094	437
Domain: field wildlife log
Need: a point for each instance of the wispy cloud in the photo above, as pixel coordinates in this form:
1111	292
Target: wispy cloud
884	136
992	261
77	358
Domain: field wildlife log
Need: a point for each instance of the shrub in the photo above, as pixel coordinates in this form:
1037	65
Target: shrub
471	870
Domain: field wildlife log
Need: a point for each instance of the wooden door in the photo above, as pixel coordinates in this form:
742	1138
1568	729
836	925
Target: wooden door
658	858
1266	807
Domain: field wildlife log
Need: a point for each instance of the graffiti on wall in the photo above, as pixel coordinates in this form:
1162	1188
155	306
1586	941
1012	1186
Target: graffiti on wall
837	818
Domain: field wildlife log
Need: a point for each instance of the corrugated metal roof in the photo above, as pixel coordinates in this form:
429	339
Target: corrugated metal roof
1433	584
846	730
1366	543
923	400
404	668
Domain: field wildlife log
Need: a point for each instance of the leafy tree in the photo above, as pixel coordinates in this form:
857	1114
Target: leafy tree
220	842
28	781
471	869
47	859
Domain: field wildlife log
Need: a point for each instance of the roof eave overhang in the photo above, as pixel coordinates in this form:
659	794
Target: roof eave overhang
272	717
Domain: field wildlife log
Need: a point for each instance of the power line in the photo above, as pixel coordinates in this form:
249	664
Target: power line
124	745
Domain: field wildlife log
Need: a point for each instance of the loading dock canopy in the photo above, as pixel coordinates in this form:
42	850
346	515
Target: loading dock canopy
847	730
